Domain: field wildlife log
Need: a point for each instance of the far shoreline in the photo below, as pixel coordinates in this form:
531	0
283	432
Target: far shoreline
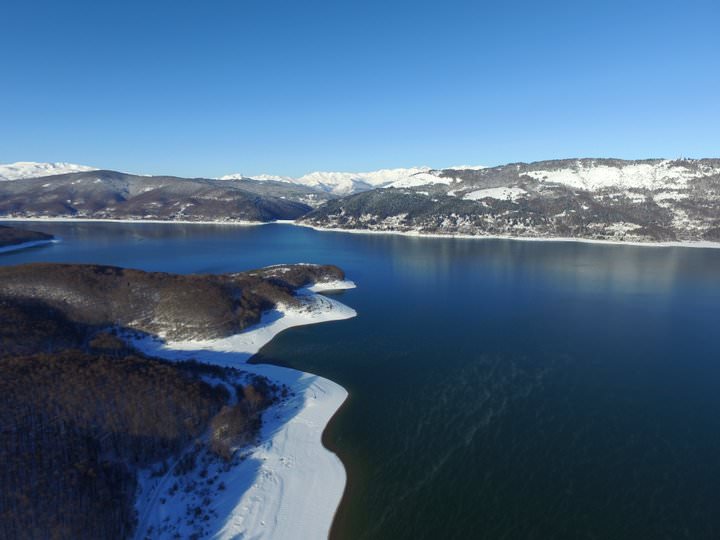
568	239
111	220
699	244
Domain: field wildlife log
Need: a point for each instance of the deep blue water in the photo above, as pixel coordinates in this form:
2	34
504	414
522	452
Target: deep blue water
498	389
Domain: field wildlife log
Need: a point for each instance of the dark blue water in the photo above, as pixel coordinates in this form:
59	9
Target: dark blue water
498	389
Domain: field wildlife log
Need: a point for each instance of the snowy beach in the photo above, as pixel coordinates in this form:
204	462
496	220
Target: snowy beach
289	485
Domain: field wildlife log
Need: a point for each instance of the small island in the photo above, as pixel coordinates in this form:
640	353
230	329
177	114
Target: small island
12	238
122	423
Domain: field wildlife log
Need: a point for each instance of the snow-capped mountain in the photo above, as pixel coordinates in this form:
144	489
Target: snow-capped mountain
31	169
609	199
347	183
344	183
260	177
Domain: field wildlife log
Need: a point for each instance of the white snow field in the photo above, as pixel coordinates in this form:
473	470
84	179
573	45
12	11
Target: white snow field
31	169
501	193
288	486
593	176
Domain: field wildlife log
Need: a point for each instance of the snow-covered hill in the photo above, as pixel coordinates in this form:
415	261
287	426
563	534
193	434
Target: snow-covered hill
604	199
347	183
31	169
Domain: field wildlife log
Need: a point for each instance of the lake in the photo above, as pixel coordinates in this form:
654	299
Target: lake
498	389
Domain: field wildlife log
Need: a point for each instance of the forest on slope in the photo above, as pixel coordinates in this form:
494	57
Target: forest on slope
82	412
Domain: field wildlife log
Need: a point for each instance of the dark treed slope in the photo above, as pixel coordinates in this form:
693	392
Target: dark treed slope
116	195
650	200
82	411
12	236
173	306
74	428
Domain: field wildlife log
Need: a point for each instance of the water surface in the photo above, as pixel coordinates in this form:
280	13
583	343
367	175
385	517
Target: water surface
498	389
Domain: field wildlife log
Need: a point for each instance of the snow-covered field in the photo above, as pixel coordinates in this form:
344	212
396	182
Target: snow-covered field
289	485
501	193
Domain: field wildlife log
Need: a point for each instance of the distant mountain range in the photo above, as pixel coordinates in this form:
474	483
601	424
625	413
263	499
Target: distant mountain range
645	200
333	183
100	194
347	183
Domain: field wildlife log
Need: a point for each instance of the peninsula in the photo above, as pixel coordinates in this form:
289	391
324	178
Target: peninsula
166	429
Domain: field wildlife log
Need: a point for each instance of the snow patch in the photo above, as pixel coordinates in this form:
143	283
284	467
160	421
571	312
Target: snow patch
420	179
593	176
669	196
337	285
501	193
467	167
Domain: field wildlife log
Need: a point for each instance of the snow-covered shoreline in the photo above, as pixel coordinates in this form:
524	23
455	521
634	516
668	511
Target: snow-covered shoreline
110	220
290	485
26	245
418	234
415	234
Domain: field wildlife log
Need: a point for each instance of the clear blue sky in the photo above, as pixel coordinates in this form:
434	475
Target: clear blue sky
211	87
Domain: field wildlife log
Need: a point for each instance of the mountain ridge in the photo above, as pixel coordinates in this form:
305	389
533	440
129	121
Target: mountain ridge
653	200
343	183
105	194
646	200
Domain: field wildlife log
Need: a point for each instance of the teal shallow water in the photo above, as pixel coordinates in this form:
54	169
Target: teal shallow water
498	389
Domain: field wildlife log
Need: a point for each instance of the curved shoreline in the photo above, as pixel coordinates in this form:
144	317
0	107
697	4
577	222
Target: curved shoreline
291	485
